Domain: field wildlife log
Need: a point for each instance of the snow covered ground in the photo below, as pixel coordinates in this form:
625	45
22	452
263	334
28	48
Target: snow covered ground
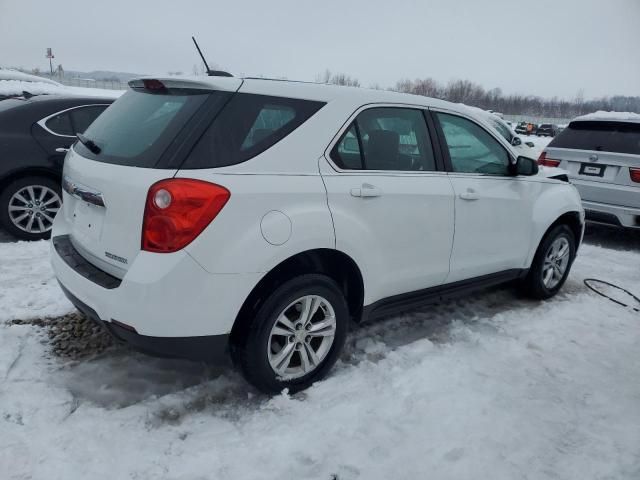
488	387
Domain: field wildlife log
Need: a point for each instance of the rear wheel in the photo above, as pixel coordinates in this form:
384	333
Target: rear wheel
295	336
28	206
551	264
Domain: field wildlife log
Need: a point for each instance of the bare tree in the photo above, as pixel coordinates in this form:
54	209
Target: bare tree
337	79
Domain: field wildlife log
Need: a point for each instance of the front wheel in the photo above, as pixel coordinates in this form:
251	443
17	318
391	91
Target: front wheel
28	206
295	336
551	264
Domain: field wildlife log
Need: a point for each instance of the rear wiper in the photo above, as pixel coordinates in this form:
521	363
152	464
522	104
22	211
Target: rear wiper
90	144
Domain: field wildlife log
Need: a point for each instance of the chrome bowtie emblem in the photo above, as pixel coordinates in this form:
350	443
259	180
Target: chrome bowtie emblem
82	192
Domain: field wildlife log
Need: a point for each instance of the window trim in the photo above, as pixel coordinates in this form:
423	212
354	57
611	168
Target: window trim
445	151
351	120
43	122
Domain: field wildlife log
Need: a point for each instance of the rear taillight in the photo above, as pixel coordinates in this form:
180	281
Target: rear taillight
634	173
547	162
177	211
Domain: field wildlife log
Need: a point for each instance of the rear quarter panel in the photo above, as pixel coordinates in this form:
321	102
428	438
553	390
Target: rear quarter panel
240	241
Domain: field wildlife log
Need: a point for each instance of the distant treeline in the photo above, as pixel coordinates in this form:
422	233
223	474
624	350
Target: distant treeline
467	92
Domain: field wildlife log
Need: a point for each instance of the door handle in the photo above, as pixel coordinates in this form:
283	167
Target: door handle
470	194
62	150
366	190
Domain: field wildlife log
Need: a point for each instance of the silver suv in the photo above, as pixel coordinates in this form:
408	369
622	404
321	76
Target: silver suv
601	152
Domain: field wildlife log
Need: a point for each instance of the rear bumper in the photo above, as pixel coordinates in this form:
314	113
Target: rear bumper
169	300
612	214
212	349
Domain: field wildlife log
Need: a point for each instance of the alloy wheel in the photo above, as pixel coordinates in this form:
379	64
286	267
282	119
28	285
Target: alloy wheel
301	337
33	208
556	261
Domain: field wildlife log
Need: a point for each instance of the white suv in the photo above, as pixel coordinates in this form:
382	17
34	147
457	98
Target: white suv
258	218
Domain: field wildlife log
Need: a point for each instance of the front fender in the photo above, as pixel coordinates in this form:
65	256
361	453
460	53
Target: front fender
555	200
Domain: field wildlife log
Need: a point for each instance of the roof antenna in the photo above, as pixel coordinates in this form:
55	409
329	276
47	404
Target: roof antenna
211	73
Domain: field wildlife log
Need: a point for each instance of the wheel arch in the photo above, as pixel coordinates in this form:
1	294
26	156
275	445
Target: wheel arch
26	172
572	219
333	263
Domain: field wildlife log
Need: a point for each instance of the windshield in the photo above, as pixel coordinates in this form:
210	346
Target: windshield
502	129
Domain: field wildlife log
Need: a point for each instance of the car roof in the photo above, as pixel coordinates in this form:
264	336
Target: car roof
602	116
71	98
305	90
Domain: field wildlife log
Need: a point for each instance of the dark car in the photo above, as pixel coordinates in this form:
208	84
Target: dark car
547	130
526	128
35	134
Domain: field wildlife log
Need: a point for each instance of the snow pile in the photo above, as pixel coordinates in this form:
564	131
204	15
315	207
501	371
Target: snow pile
611	116
8	74
28	288
16	87
487	387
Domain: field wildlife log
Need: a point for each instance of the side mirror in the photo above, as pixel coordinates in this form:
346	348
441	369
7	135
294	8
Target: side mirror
525	166
515	141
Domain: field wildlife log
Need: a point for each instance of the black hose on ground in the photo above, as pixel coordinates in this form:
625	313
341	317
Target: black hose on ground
590	281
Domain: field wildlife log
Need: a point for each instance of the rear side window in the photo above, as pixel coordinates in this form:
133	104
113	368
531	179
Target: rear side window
60	124
84	116
386	138
247	126
616	137
137	129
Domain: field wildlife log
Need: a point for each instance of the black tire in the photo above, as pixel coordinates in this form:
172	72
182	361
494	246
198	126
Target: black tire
5	220
250	353
533	285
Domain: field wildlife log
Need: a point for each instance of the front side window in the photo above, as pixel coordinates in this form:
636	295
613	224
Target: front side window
386	138
471	148
60	124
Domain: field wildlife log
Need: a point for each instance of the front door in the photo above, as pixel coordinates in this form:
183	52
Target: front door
494	210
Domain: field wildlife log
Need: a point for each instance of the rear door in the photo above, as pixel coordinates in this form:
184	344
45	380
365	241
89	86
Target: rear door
142	138
391	204
598	156
493	210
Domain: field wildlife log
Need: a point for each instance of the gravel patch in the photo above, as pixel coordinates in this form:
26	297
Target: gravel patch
72	336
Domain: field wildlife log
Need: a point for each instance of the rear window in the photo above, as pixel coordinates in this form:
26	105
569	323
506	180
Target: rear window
137	129
617	137
83	117
247	126
61	124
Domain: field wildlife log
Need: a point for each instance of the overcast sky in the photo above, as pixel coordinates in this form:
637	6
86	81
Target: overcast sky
539	47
